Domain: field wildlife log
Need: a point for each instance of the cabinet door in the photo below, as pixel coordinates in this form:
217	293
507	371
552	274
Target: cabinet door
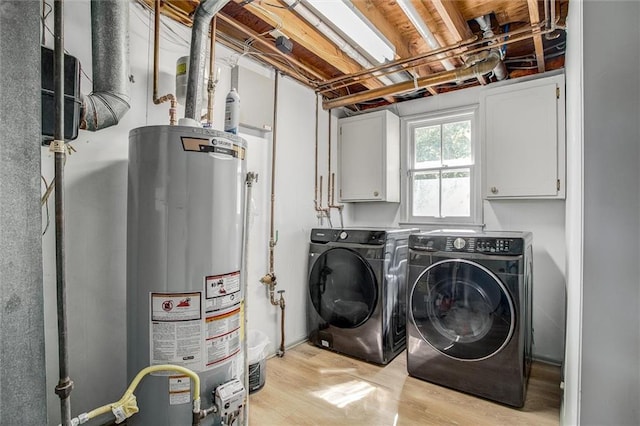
523	142
368	157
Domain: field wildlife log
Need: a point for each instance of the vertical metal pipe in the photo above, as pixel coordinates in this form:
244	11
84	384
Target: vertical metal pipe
195	77
173	108
213	78
251	177
329	164
315	189
272	240
63	389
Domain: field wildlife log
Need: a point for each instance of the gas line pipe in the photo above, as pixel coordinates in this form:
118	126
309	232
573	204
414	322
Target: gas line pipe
270	279
127	406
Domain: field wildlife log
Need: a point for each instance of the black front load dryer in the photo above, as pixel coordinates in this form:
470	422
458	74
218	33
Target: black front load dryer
469	312
357	291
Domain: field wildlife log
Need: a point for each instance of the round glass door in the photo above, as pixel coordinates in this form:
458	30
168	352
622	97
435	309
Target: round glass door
462	309
343	288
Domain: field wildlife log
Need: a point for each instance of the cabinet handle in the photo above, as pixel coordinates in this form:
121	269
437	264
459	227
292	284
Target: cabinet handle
376	193
494	190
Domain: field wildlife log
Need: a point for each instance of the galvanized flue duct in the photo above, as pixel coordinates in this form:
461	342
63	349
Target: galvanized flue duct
197	56
109	101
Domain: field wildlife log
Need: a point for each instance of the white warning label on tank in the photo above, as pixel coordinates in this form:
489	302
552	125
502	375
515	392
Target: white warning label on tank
177	329
179	390
223	336
222	291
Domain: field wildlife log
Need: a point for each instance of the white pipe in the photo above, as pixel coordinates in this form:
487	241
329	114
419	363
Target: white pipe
250	179
413	15
335	38
500	71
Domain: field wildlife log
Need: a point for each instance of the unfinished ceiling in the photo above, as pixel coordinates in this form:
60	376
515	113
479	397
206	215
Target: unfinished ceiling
438	45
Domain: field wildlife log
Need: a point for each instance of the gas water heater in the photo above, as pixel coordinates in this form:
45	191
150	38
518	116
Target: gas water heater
184	250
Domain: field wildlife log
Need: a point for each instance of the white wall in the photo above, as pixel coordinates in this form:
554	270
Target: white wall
96	185
544	218
610	352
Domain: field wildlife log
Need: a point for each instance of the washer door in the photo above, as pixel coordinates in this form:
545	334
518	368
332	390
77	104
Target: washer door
462	309
343	288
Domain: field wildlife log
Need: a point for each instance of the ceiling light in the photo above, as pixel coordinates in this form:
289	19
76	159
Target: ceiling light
346	19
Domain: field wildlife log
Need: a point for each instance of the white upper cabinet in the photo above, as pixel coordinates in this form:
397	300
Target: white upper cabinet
369	157
525	140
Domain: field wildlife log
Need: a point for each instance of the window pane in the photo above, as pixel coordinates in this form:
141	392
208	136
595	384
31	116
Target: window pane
427	146
456	142
426	194
456	193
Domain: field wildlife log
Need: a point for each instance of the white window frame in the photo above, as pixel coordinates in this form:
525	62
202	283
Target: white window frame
412	122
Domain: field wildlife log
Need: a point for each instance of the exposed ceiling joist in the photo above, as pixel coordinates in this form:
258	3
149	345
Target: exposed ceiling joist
534	13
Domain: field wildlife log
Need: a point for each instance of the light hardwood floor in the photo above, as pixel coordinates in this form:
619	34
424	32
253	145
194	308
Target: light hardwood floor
313	386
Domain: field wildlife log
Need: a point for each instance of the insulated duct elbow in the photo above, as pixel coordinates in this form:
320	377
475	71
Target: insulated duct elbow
109	101
197	56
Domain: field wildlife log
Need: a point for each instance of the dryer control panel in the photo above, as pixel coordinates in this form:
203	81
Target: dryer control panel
355	236
467	244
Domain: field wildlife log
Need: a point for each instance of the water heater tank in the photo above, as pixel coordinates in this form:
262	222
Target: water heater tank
184	249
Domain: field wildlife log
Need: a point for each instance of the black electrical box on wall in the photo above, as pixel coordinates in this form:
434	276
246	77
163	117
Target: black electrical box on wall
72	100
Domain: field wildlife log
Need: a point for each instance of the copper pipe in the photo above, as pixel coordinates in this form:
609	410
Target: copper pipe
282	306
428	81
213	80
315	181
431	80
329	161
320	194
156	57
495	41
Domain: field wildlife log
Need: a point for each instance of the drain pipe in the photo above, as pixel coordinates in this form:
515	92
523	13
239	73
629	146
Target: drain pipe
65	384
109	101
550	20
270	278
170	97
500	71
197	55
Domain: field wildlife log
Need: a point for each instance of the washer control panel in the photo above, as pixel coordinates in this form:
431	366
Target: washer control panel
489	245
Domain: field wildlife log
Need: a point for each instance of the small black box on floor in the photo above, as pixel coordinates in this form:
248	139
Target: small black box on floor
72	101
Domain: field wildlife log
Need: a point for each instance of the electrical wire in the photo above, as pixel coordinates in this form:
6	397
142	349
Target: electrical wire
45	201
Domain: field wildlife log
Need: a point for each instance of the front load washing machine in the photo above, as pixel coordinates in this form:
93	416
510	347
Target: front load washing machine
357	291
469	312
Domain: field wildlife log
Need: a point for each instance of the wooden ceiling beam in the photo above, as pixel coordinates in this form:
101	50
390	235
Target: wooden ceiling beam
301	32
456	24
453	19
370	11
270	48
534	15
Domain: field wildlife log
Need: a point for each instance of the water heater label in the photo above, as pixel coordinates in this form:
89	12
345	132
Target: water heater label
223	336
222	291
176	329
179	390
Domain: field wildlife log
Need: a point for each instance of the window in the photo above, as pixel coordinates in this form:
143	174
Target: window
442	175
